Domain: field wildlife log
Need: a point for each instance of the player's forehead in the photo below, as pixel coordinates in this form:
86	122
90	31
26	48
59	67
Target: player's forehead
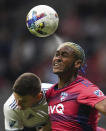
21	98
65	48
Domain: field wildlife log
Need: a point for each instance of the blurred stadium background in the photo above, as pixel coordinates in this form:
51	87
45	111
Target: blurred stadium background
81	21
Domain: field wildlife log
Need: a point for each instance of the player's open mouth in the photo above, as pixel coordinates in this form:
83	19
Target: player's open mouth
56	65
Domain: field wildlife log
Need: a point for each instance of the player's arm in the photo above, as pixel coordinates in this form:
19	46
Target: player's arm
12	120
25	129
101	106
13	130
16	130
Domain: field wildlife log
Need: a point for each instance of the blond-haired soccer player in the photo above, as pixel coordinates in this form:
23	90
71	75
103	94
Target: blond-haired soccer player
26	109
74	101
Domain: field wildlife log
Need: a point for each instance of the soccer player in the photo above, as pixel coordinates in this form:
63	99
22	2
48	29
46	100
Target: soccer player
26	109
74	101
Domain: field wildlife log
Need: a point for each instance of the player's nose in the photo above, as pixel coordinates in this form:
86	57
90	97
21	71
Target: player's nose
58	58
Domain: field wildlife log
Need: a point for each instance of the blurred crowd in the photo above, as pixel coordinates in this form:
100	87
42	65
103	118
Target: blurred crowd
81	21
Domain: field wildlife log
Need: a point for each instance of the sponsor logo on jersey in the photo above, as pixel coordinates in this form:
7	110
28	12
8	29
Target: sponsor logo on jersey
98	93
56	109
12	123
63	96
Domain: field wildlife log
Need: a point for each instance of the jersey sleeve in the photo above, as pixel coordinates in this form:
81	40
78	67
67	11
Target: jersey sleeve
12	119
90	96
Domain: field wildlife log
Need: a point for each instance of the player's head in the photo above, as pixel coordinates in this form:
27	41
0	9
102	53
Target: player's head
68	58
27	90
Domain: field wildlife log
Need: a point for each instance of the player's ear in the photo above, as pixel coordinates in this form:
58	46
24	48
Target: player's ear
78	63
39	96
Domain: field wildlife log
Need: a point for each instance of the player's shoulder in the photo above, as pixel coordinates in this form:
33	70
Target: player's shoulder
46	86
10	103
84	82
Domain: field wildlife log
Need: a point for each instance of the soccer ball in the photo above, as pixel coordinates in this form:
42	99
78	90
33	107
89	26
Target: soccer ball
42	21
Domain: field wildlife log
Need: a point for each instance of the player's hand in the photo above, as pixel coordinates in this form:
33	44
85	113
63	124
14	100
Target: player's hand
41	129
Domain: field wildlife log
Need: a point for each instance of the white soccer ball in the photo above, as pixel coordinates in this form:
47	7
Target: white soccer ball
42	21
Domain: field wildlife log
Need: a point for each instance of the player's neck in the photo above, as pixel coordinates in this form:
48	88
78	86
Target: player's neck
65	81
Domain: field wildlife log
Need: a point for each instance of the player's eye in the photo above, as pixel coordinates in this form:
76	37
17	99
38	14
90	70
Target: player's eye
65	54
57	54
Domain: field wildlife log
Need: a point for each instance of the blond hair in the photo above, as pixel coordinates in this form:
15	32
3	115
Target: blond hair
77	49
